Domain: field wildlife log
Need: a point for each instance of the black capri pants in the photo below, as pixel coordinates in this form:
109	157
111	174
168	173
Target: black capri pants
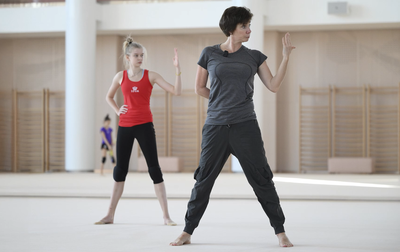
146	136
245	142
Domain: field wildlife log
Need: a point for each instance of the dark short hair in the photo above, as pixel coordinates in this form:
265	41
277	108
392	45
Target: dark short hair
232	17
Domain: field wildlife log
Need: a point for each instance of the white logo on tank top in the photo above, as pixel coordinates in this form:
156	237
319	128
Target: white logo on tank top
135	90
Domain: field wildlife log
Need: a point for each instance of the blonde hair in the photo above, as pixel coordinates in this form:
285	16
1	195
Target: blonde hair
127	47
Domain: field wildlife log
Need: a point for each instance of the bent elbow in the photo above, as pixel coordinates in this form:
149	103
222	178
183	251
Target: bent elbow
274	86
177	91
108	99
275	90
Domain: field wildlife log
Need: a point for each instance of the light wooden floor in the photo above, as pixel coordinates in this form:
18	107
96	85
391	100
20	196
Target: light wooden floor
55	212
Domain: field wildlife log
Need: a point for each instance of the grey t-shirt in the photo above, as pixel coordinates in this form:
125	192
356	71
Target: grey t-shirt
231	83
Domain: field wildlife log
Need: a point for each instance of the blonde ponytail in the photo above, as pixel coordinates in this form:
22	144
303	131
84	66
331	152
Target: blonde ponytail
127	47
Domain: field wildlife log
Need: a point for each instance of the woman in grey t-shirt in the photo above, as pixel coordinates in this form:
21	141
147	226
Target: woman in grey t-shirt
231	126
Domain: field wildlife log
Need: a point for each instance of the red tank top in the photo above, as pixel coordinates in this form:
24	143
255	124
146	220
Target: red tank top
137	97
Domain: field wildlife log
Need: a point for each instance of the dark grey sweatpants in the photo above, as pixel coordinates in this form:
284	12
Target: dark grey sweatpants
245	142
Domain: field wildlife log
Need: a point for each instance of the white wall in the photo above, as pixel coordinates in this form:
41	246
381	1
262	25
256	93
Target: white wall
146	18
49	19
161	17
313	15
201	17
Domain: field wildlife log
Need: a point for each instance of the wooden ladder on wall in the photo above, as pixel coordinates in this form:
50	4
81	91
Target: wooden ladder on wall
37	135
349	122
314	129
383	128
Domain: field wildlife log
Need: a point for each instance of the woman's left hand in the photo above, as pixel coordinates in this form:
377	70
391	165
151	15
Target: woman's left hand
175	59
287	45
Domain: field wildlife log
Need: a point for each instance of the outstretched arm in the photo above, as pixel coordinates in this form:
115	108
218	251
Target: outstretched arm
274	82
176	89
201	82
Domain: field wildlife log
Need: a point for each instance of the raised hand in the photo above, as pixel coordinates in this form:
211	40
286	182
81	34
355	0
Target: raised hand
287	45
175	59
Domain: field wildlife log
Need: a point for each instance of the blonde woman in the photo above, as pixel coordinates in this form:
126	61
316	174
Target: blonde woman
136	122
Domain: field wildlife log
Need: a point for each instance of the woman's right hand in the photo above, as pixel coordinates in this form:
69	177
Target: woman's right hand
123	109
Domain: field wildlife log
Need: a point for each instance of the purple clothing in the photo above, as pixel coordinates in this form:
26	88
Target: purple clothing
107	133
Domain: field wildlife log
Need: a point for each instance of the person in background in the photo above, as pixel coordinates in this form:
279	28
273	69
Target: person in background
106	143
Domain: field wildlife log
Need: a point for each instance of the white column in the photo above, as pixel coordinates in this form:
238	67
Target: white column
267	125
80	54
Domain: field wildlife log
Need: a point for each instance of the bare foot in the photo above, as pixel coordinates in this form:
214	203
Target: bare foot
183	239
169	222
284	240
105	220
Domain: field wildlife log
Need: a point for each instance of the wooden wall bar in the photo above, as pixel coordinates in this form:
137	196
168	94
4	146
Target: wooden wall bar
383	128
6	129
340	122
349	124
365	123
315	129
55	125
184	128
37	132
30	151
